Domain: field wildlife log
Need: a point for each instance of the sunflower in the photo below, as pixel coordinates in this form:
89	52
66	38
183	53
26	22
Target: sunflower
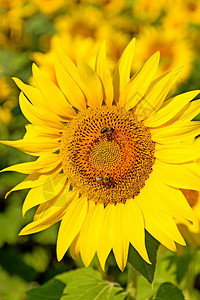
11	30
111	6
191	9
5	115
8	101
112	156
77	23
5	88
81	35
175	23
48	6
149	11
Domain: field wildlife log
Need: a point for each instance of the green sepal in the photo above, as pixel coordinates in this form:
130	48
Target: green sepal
145	269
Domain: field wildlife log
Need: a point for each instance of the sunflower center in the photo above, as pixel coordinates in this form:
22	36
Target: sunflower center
107	154
191	6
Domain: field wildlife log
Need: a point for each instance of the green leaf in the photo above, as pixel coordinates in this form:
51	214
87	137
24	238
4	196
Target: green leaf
13	263
181	263
145	290
88	284
168	291
52	290
39	25
11	211
139	264
15	64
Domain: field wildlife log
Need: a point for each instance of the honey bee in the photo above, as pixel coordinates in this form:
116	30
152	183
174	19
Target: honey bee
107	130
106	180
99	179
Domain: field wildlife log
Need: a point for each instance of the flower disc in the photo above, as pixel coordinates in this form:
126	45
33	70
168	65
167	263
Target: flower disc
96	148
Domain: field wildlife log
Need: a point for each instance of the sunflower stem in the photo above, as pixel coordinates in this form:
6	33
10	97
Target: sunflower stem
132	283
190	275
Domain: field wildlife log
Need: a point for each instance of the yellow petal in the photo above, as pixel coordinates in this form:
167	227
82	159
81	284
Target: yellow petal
139	83
157	216
122	71
134	222
92	87
169	200
75	247
71	224
169	111
177	132
43	164
61	199
54	97
73	71
154	229
183	176
52	215
106	234
191	112
103	71
156	94
31	93
31	181
90	233
34	147
69	66
176	153
35	131
34	115
69	87
33	198
47	131
120	240
53	185
41	106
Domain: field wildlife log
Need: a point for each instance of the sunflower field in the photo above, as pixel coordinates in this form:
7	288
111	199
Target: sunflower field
99	150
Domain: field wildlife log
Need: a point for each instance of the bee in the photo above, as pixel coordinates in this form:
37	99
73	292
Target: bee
107	130
106	180
99	179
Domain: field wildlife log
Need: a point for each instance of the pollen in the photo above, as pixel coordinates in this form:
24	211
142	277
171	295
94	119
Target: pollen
107	154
